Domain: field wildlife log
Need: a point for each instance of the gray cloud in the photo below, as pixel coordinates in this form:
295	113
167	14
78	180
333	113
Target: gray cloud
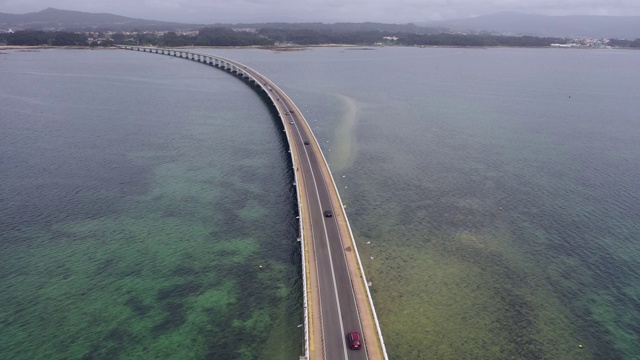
400	11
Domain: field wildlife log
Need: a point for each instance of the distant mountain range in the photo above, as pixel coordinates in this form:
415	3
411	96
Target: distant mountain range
621	27
55	19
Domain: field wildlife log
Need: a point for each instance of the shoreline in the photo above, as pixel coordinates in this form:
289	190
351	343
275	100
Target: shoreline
301	47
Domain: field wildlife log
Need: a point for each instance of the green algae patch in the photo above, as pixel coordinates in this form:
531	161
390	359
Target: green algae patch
252	211
466	296
125	287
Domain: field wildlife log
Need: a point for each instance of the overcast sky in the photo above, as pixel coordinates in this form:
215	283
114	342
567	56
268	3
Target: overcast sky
329	11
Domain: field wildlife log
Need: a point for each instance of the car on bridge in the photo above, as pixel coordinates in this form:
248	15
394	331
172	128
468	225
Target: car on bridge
354	340
328	213
306	142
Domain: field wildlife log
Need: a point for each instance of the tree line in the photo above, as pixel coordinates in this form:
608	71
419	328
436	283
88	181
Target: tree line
625	43
270	36
38	38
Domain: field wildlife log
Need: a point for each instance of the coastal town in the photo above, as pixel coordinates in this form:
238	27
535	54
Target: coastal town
244	36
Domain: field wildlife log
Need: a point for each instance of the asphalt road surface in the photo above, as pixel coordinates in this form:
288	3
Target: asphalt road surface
337	300
338	305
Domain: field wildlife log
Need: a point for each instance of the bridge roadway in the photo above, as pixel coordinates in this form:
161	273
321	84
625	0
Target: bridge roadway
337	300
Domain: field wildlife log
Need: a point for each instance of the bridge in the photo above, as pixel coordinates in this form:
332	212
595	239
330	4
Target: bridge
336	295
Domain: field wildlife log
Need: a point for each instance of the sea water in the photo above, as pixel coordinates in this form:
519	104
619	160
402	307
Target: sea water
493	194
147	212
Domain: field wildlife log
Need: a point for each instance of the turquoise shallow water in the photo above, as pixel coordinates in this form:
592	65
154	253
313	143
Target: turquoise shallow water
493	194
147	213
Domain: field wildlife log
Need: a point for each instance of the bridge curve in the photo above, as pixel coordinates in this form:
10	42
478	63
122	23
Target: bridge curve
336	296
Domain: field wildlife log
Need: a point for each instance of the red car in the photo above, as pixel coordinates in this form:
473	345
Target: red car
354	340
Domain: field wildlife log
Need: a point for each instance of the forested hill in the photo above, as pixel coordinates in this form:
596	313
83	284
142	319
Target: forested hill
625	27
268	38
66	20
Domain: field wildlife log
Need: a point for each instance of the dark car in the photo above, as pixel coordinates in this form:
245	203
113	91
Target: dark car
354	340
306	142
328	213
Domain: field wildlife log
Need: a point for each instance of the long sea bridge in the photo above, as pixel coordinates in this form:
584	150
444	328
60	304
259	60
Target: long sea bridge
337	300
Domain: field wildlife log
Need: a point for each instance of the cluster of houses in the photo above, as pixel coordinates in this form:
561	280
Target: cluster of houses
585	42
